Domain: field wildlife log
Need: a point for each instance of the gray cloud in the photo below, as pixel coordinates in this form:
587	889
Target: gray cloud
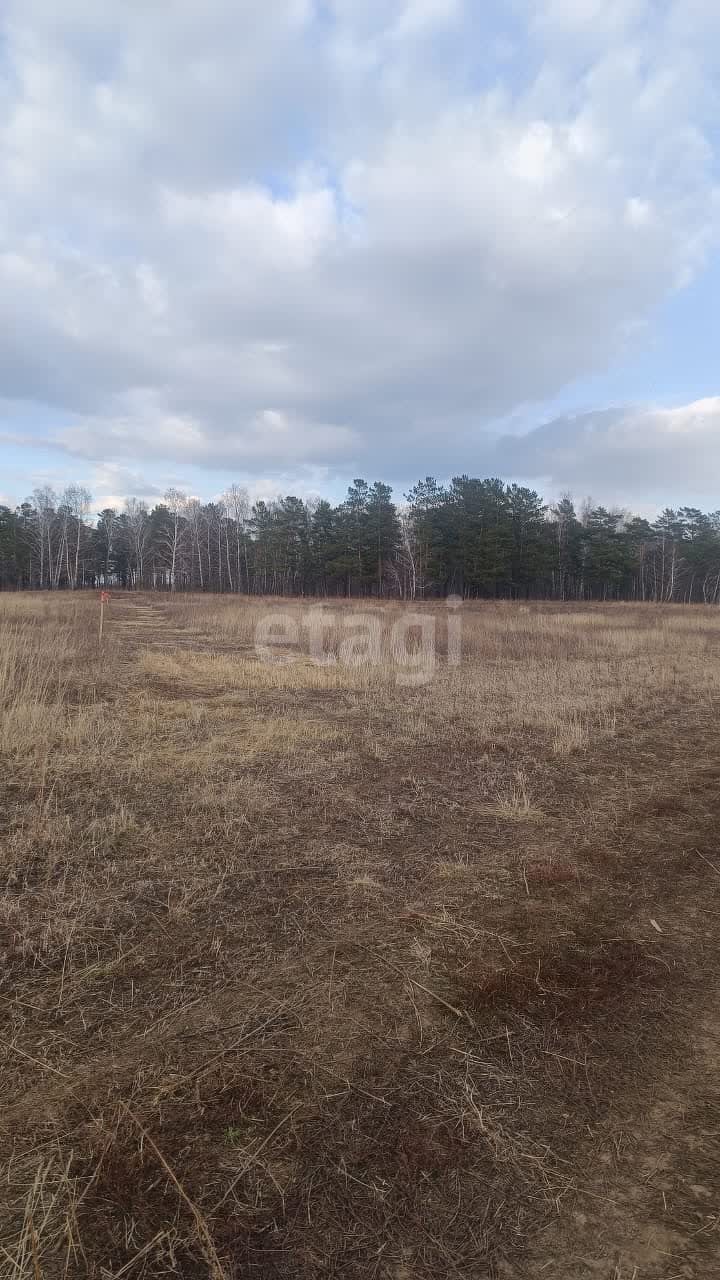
623	452
345	235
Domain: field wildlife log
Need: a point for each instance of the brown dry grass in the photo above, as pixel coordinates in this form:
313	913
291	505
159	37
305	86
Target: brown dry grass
310	973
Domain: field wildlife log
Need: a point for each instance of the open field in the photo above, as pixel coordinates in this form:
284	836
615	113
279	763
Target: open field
317	970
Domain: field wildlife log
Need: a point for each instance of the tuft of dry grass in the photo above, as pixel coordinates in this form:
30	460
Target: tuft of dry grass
311	971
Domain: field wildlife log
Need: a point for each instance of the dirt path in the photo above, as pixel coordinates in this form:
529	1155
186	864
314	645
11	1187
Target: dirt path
133	624
648	1200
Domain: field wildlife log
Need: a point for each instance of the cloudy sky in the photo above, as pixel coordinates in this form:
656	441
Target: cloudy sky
288	242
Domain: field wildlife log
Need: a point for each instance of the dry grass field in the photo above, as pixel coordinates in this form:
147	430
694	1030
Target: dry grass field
312	971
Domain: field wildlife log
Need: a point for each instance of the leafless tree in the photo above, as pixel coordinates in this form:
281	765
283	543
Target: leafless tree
194	517
406	556
76	502
138	525
237	503
45	502
176	503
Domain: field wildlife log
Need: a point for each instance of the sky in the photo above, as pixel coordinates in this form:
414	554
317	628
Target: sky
287	244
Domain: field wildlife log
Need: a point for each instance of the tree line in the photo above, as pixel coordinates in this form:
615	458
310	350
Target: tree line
473	537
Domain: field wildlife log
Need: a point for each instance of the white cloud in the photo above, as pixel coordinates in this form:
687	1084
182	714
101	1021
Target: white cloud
418	17
111	483
591	20
271	438
672	453
305	235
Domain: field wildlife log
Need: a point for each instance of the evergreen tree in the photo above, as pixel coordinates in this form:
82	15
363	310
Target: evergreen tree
479	537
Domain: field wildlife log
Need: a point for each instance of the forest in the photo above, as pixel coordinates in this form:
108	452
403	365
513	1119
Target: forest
479	538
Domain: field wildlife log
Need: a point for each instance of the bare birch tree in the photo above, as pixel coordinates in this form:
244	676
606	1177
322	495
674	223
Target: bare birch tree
138	526
176	503
76	501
